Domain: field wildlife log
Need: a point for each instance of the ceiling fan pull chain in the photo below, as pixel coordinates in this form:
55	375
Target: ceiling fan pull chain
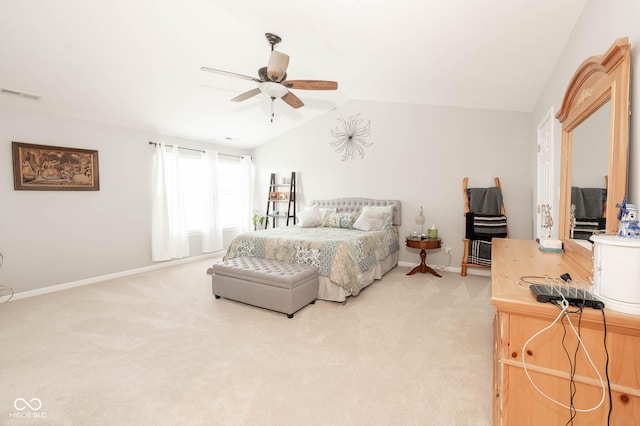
272	109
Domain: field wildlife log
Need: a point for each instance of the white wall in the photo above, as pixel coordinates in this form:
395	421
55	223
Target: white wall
601	22
420	154
57	237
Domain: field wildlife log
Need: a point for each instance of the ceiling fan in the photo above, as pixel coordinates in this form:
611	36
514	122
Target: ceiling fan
272	79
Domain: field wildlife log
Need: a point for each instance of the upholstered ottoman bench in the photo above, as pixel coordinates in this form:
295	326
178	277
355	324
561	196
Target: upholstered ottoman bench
266	283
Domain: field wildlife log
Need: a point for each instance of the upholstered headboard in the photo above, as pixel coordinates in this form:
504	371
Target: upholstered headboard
356	204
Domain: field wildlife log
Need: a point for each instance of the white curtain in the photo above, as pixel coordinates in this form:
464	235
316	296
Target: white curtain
169	235
247	198
212	232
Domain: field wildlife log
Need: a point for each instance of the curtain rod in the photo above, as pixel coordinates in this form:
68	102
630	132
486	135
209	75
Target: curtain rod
201	150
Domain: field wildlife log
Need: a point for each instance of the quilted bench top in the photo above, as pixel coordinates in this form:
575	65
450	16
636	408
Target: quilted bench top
266	271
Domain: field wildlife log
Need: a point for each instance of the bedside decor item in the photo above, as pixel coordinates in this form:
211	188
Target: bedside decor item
420	220
54	168
350	139
433	232
628	217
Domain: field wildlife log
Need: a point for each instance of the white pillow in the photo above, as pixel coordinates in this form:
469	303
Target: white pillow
374	218
310	217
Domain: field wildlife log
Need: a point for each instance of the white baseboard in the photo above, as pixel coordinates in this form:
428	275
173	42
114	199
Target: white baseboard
93	280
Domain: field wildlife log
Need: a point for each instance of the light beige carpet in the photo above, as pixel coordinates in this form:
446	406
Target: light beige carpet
157	349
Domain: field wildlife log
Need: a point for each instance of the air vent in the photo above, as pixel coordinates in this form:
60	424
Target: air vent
20	94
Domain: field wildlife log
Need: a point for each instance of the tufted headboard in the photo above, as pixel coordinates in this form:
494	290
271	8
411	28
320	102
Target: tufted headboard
356	204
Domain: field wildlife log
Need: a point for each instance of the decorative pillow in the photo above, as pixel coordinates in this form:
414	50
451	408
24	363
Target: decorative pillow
388	223
339	220
324	211
374	218
310	217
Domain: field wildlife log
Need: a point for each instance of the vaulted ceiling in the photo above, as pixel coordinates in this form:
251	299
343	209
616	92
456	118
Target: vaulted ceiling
136	63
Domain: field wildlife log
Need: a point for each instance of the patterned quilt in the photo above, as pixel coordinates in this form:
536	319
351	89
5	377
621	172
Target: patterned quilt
342	255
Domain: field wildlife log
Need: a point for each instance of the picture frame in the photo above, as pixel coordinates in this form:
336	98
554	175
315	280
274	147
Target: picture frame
274	196
54	168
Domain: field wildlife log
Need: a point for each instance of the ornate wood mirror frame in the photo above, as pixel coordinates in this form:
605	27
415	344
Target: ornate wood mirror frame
598	80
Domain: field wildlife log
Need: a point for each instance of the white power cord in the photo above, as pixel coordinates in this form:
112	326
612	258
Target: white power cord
564	305
443	268
527	279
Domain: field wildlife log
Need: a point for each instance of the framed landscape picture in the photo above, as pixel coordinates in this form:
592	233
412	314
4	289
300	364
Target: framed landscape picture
54	168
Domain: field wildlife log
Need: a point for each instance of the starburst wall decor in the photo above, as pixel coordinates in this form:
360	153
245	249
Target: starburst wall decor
350	140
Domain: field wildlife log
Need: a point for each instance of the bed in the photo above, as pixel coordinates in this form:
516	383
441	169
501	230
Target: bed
348	260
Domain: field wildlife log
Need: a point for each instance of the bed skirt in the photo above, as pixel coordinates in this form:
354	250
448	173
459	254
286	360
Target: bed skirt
328	290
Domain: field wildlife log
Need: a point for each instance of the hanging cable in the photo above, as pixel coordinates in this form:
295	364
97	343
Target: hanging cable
606	367
564	305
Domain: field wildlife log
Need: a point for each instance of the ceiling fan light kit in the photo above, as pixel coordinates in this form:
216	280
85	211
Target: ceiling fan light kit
272	79
273	90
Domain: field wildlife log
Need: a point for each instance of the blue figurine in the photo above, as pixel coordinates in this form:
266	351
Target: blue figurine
628	217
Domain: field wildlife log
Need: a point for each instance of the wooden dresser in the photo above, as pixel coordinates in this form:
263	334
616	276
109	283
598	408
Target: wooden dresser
519	316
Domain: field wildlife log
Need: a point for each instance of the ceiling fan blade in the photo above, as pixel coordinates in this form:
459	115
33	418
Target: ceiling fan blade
277	67
246	95
311	84
229	74
292	100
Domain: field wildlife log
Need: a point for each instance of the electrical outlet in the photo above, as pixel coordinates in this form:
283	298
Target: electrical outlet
447	250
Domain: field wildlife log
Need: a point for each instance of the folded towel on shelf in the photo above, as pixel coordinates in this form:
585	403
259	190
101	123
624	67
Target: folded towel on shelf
485	200
485	227
480	253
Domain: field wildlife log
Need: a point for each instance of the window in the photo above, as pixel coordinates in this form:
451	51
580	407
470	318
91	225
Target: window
231	191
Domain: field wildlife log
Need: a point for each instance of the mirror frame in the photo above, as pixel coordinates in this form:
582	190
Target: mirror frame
599	79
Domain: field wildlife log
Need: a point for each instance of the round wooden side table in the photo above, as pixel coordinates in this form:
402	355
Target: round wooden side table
427	244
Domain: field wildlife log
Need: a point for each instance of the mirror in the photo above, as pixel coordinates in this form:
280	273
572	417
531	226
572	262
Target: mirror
595	124
590	154
589	171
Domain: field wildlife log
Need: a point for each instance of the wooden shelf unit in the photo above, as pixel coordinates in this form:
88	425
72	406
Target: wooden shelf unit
276	196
